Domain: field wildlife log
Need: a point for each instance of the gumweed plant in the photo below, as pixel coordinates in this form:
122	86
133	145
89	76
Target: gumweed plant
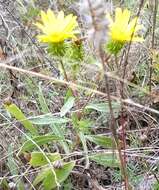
122	30
60	32
58	28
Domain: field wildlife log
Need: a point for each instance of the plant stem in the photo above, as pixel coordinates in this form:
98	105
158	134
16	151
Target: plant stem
155	7
113	124
63	70
122	97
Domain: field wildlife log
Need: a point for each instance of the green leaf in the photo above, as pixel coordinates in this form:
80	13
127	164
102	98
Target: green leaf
49	182
106	159
39	140
84	144
42	175
4	184
42	101
104	141
67	185
68	95
11	162
85	125
47	177
104	107
47	119
156	186
17	113
14	170
39	159
67	106
58	130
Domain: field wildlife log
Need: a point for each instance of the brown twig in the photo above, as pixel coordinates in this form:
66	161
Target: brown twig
128	51
155	8
113	128
112	120
123	126
78	87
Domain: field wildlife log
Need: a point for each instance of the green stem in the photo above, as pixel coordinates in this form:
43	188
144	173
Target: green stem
63	70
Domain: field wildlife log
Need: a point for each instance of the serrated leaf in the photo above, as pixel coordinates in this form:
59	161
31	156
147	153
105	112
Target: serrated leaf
47	119
47	178
103	141
67	106
18	114
39	159
39	140
105	159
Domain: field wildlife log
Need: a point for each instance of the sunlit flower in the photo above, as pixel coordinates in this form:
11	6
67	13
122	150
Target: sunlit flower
56	28
122	29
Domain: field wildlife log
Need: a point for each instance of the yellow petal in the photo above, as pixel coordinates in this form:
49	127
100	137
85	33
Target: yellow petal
126	17
60	16
118	14
43	38
51	15
56	28
70	24
122	29
39	25
44	17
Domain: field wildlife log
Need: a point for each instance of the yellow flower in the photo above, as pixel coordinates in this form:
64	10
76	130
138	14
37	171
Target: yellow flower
122	29
56	29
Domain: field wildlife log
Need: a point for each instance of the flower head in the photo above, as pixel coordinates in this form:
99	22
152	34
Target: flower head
122	29
56	28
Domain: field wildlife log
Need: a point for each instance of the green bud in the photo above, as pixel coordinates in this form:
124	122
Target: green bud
57	49
114	47
75	51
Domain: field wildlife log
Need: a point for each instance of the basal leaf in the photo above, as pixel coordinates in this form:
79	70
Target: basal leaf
18	114
104	107
47	119
106	159
38	140
47	178
39	159
58	130
67	106
103	141
14	169
42	101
